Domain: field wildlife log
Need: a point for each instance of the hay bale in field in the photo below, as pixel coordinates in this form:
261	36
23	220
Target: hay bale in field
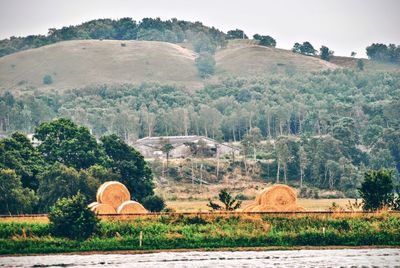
93	204
131	207
277	198
103	209
113	193
278	195
100	189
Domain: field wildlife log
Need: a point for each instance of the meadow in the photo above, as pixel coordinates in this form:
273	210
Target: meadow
178	231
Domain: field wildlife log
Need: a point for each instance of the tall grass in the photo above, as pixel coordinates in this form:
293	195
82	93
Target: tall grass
211	231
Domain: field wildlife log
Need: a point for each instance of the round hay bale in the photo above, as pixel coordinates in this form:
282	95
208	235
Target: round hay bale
93	204
103	209
100	189
249	207
114	193
264	208
131	207
278	195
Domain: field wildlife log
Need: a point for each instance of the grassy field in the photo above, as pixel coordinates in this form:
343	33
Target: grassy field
209	232
308	204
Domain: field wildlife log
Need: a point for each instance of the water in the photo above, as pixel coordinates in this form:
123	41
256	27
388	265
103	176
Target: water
384	257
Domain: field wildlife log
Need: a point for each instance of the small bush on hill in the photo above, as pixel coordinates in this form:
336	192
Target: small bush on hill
47	79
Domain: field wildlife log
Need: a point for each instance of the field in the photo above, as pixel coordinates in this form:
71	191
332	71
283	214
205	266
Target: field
308	204
210	232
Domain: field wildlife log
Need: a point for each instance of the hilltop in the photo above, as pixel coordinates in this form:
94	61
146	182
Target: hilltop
81	63
75	64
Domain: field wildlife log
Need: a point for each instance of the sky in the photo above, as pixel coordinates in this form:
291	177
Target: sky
342	25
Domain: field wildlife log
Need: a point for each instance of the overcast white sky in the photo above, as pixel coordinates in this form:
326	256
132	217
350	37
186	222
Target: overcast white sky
342	25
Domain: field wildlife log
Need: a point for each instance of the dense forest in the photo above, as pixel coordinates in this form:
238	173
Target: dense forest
323	129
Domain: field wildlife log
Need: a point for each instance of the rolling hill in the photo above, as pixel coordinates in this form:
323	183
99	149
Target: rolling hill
74	64
81	63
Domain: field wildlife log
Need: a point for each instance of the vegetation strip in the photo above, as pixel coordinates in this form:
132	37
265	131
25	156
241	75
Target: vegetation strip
209	232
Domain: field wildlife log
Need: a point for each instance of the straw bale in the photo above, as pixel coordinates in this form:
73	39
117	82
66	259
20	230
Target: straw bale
249	207
114	193
103	209
130	207
93	204
100	189
264	208
278	195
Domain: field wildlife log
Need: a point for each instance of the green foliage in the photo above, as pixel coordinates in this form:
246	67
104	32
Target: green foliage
47	79
360	65
265	40
17	153
154	203
205	64
170	232
62	181
14	198
130	165
325	53
175	31
71	218
377	189
65	142
236	34
230	202
306	48
384	53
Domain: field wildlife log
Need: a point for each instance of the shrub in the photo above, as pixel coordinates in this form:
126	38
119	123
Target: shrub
377	189
154	203
71	217
47	79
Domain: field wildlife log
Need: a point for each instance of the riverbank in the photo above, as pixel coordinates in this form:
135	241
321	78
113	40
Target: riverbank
209	232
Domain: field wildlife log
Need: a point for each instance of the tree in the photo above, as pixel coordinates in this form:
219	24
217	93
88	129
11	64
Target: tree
303	161
17	153
14	198
236	34
265	40
205	64
306	48
62	181
251	141
166	147
154	203
130	165
65	142
360	65
353	54
227	200
71	218
325	53
377	188
47	79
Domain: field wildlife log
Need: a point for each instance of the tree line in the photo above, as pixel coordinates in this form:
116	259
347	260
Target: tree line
321	129
67	160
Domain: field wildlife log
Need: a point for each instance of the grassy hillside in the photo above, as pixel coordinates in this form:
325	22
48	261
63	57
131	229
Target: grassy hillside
81	63
247	58
75	64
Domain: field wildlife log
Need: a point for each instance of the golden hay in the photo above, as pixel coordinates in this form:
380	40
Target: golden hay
103	209
278	195
130	207
276	198
114	193
93	204
100	190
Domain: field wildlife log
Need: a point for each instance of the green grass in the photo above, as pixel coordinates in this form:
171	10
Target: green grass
175	232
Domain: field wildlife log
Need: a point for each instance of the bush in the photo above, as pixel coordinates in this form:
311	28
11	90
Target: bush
47	79
154	203
205	64
71	218
377	189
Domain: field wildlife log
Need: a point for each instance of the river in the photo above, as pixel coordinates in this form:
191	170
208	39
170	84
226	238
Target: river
382	257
